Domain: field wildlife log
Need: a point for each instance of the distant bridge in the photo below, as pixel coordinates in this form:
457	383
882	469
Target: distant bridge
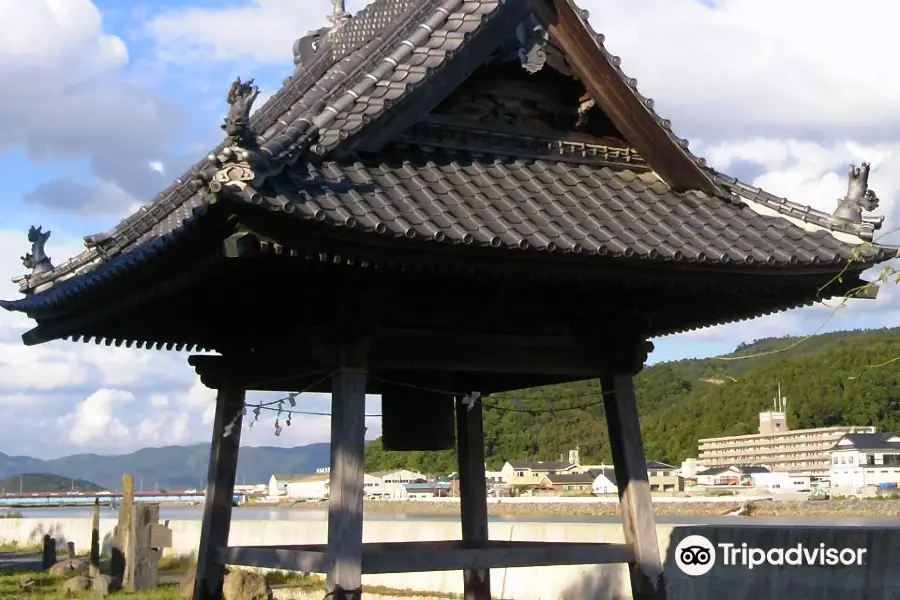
110	500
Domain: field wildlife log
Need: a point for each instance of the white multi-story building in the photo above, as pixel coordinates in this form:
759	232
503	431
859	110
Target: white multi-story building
861	461
777	447
392	483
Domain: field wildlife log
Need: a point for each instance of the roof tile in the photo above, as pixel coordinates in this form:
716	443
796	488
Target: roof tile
605	210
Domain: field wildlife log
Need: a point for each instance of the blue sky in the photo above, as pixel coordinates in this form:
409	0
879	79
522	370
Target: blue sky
112	100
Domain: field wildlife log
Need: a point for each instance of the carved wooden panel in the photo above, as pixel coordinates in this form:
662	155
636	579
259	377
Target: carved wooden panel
507	96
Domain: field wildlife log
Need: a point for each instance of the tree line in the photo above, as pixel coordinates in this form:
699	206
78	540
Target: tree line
843	378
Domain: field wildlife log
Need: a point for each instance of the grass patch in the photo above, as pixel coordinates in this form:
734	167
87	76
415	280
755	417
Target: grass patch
11	515
178	564
46	586
298	580
13	546
385	591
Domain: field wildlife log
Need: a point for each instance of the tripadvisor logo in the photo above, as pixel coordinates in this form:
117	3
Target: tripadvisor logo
696	555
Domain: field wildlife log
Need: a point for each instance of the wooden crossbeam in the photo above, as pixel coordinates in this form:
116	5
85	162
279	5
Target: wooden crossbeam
417	557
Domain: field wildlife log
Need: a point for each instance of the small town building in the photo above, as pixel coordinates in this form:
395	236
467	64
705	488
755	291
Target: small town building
392	483
604	482
434	489
662	478
781	481
567	483
372	485
728	476
865	461
299	487
530	473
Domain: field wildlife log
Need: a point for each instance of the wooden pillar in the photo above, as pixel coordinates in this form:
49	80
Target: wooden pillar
472	493
94	569
223	458
647	582
346	491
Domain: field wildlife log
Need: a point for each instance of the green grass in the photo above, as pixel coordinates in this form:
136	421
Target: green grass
12	546
176	564
11	515
47	586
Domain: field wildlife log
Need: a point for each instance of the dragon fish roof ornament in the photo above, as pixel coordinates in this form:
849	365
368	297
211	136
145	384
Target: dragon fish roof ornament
859	197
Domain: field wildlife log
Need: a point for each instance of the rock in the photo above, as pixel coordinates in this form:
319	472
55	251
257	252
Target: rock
79	583
104	585
246	585
186	585
69	565
80	565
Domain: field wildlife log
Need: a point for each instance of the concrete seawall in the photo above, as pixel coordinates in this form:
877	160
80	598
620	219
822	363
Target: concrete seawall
874	578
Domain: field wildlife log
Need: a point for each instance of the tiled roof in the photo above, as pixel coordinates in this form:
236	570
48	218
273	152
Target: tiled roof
714	471
659	466
608	472
868	441
376	61
457	197
752	470
572	478
539	465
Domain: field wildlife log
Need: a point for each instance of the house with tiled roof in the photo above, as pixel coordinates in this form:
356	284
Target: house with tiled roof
862	461
733	475
531	472
568	483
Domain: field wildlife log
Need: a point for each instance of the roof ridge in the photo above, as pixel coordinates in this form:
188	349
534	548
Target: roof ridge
303	129
864	230
647	102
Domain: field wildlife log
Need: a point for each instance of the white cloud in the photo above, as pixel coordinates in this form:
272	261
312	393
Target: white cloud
733	66
159	401
264	30
70	98
95	418
782	94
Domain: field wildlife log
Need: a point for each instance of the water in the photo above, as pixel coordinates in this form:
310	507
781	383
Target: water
259	513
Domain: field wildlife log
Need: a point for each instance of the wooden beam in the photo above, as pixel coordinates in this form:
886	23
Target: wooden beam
409	350
303	559
536	359
345	503
618	101
216	525
472	493
647	582
444	555
278	375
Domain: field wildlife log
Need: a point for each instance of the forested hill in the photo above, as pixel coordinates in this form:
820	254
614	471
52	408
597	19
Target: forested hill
843	378
31	483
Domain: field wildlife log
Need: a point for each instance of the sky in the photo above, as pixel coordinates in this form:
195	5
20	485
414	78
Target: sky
109	101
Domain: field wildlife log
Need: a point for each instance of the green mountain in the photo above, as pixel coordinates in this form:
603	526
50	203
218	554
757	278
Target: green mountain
842	378
169	467
28	483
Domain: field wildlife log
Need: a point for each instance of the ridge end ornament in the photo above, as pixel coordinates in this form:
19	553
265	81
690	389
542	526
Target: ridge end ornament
37	260
236	164
859	197
240	99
